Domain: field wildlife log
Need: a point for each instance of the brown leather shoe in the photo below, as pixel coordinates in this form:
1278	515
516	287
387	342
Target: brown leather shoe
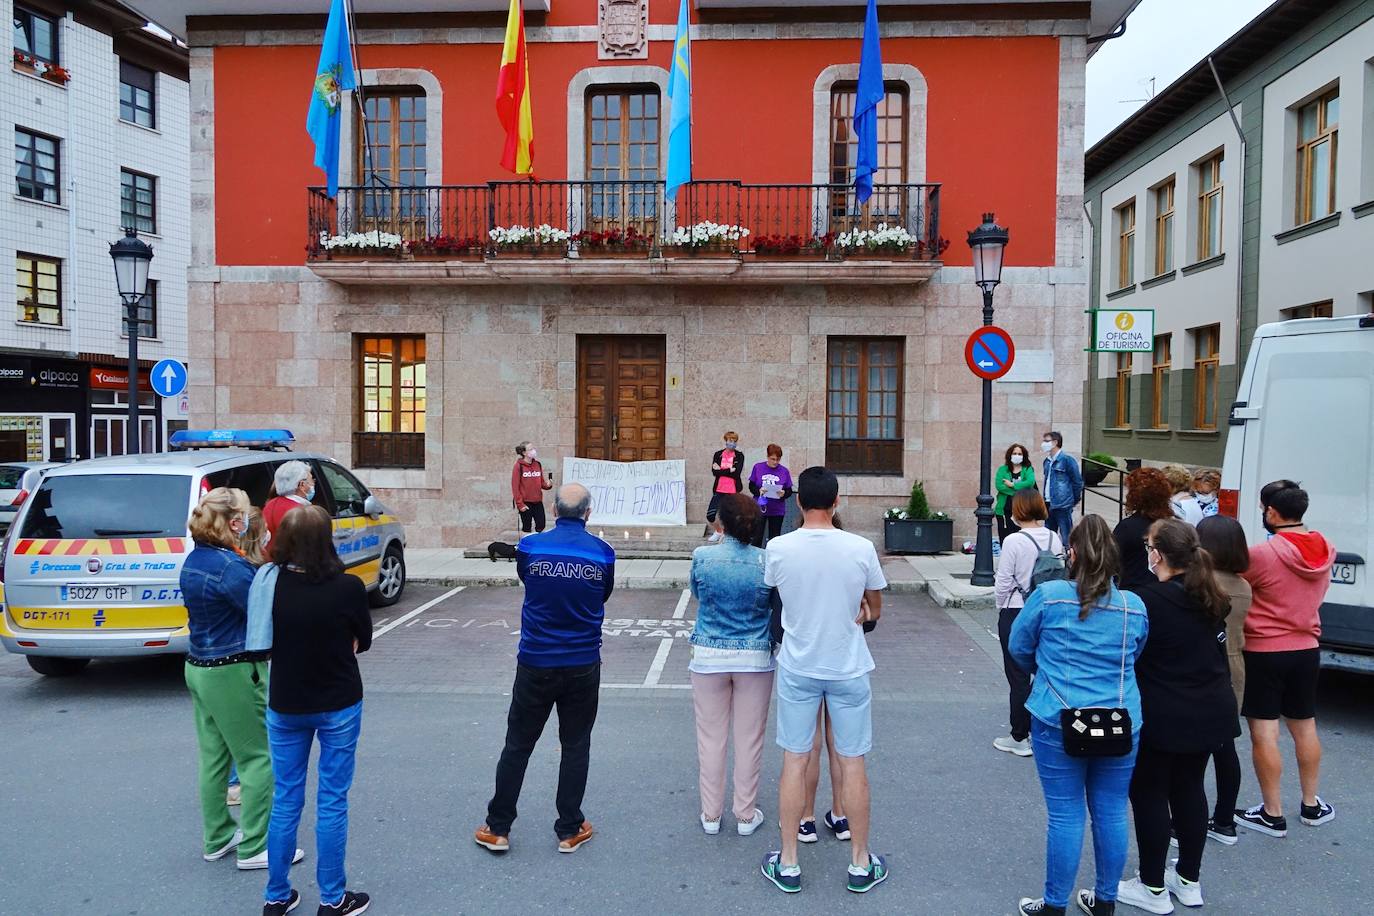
574	842
492	841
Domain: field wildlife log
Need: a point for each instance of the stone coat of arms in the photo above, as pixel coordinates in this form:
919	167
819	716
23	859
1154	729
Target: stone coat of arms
624	29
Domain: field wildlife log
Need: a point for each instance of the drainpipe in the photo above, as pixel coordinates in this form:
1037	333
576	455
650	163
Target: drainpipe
1240	236
1092	357
70	283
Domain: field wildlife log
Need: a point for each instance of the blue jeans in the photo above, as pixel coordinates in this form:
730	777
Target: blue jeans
1066	780
290	737
1061	522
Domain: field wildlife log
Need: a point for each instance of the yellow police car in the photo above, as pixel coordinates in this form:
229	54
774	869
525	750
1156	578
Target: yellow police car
92	564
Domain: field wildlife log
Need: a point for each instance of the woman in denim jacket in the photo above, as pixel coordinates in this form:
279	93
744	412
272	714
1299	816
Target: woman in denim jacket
1070	636
732	663
228	685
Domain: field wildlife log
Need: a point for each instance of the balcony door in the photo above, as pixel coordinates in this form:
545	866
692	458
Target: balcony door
391	162
623	147
889	203
620	410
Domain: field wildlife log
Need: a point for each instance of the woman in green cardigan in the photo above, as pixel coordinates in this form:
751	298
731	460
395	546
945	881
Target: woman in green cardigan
1014	473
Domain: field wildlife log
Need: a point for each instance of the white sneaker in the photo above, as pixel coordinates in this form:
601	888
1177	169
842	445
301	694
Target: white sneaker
747	828
1009	744
1189	893
227	848
711	827
260	860
715	536
1134	893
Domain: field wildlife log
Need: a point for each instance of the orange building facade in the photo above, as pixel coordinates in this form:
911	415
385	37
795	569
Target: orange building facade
422	353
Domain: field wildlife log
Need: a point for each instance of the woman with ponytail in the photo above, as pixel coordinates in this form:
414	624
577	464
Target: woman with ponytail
1189	712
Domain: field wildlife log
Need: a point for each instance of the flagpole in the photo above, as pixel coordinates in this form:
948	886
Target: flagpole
361	98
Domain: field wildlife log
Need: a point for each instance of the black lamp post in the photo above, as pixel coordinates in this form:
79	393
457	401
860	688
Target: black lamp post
988	242
131	256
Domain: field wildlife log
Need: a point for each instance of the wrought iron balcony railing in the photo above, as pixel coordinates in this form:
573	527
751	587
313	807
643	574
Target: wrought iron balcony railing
591	219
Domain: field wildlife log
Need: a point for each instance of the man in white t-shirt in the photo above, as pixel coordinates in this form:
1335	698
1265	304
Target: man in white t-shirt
830	582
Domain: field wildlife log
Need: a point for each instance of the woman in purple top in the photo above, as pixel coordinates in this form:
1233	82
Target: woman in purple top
771	484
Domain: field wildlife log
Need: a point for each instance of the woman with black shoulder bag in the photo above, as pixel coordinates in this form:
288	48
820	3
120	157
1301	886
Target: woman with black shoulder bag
1080	638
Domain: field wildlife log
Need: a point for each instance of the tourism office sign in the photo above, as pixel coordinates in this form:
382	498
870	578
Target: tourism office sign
1123	330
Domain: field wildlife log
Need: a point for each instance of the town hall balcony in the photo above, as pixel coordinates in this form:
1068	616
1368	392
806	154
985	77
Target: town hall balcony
625	232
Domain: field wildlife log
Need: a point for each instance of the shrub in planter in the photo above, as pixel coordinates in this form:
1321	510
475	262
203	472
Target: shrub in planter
1093	474
916	529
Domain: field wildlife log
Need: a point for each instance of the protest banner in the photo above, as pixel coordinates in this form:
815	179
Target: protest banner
635	494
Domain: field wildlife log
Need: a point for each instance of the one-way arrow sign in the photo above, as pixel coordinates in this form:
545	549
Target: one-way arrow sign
168	378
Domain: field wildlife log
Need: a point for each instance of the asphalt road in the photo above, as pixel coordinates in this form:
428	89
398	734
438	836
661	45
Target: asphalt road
98	813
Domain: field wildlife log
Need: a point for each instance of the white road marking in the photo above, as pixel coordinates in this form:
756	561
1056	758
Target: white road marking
666	646
382	631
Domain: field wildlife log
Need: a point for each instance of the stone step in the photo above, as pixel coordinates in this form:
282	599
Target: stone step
675	543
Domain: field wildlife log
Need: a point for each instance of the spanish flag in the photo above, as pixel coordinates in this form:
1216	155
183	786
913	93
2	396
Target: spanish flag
513	97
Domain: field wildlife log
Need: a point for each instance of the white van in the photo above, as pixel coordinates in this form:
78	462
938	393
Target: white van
1305	411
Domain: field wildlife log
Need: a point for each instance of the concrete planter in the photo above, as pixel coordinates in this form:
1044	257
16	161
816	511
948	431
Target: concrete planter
902	535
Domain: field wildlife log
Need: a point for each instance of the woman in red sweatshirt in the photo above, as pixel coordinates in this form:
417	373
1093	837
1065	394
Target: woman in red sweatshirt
527	486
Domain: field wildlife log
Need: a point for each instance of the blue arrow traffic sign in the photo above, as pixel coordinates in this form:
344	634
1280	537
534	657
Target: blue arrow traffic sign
989	352
168	377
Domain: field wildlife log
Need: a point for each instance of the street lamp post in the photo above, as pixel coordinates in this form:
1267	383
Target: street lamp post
988	242
131	256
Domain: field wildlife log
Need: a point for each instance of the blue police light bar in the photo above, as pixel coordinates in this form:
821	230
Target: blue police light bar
231	438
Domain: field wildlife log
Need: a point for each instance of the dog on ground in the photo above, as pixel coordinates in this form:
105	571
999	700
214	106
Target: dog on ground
500	549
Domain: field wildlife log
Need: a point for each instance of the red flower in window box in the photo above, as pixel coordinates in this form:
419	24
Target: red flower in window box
611	241
55	74
445	245
24	61
792	245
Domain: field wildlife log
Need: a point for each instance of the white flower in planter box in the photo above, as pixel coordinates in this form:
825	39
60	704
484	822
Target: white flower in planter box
883	238
360	240
705	233
543	234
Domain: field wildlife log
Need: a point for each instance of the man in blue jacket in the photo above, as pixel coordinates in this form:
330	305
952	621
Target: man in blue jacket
1063	484
568	576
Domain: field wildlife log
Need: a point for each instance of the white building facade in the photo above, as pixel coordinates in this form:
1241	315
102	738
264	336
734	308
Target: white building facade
95	114
1238	196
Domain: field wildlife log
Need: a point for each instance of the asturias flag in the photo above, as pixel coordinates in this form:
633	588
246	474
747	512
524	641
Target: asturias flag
332	77
866	102
513	97
680	118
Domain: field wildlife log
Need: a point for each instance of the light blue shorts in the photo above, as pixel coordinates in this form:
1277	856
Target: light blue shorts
851	712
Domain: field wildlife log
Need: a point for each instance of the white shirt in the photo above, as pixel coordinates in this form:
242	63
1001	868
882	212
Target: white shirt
821	574
1017	562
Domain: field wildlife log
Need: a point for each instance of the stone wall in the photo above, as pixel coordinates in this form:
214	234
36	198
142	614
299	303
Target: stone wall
502	367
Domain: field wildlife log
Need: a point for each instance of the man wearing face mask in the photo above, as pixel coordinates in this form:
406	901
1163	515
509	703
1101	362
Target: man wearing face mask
1063	484
1288	575
527	486
294	485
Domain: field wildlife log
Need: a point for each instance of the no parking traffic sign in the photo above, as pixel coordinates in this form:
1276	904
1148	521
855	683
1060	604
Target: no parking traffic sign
989	352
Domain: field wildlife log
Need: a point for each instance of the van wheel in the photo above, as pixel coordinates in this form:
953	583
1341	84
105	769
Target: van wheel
391	578
50	666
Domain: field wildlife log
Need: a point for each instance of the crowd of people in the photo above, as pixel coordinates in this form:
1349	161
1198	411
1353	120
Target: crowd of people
1130	657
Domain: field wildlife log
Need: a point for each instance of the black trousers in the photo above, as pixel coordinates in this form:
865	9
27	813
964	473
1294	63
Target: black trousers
574	691
1005	525
770	526
1017	680
533	515
1167	791
1226	762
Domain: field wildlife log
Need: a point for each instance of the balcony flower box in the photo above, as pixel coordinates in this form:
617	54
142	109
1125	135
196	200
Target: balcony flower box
791	247
542	241
613	243
886	243
55	74
705	240
446	248
360	246
24	63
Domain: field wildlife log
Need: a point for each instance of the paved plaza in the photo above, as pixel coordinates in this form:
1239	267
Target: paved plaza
97	796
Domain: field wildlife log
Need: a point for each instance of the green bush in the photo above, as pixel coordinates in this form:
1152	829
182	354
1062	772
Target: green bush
919	507
1102	459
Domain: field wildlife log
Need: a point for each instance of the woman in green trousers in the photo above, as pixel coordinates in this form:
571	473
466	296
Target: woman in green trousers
228	685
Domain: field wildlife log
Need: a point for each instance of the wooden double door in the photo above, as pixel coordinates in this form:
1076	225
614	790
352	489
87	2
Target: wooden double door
620	412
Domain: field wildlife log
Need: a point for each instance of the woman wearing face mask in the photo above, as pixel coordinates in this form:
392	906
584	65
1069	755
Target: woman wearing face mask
1185	505
1014	474
228	685
1206	482
1188	712
527	486
727	469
